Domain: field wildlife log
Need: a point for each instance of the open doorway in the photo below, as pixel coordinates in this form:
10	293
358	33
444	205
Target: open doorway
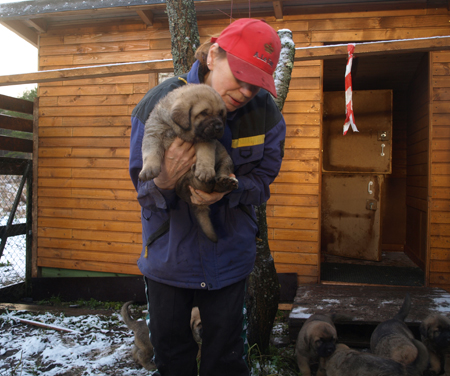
389	248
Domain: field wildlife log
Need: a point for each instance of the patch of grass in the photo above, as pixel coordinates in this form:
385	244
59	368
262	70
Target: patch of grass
81	303
279	361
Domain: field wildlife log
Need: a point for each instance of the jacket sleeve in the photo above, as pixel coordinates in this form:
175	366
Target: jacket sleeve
149	195
254	185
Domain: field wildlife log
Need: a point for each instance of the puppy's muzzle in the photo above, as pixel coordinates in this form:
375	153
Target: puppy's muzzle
211	129
326	349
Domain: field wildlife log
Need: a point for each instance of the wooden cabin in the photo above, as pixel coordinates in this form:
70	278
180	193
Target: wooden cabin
364	196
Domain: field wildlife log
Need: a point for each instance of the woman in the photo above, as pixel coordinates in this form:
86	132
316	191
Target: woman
182	265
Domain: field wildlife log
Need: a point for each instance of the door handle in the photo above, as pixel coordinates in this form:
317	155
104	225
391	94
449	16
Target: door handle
369	187
382	150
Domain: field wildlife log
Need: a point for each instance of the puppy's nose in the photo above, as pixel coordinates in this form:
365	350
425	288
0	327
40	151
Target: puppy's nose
218	127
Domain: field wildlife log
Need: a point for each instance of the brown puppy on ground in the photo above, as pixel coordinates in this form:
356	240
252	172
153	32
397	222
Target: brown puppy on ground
393	339
316	339
435	335
195	113
143	348
347	362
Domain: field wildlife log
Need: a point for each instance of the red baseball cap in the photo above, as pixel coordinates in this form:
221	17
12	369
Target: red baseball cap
253	49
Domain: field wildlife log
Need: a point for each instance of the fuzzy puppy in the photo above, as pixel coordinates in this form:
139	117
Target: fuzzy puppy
435	335
393	339
197	114
347	362
143	348
316	339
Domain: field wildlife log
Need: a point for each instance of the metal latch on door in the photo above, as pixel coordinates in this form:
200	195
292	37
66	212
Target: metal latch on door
371	205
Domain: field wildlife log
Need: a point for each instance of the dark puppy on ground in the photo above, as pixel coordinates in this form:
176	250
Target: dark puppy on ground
394	340
347	362
435	335
316	339
196	114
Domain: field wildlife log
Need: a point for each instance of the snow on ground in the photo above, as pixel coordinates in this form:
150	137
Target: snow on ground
101	345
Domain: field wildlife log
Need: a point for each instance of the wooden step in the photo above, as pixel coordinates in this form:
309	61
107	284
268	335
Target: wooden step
366	307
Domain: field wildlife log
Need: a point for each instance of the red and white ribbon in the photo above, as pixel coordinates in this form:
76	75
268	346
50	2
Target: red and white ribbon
349	116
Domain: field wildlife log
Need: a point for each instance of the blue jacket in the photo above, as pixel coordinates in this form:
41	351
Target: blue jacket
184	256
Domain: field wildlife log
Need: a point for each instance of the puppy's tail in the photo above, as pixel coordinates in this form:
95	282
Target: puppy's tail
129	322
405	308
420	364
202	214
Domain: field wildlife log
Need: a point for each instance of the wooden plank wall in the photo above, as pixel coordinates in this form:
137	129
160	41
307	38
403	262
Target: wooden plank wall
439	248
89	218
299	203
88	215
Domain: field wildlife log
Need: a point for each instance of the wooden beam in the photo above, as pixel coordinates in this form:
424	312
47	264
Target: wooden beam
110	70
12	166
278	9
156	66
146	16
373	48
16	144
16	124
37	23
15	104
22	30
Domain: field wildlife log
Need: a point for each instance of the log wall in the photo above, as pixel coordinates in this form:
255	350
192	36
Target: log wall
88	213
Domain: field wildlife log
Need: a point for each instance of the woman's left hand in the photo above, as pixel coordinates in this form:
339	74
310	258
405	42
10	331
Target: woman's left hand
199	197
202	198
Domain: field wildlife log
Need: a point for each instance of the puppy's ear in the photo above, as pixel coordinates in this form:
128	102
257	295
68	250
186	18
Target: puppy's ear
181	115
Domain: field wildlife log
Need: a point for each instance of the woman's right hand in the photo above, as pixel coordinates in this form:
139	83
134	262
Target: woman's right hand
178	159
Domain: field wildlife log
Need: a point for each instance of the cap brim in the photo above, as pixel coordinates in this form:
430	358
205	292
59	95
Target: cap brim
247	72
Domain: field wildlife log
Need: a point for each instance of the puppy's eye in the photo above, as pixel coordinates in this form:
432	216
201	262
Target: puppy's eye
204	113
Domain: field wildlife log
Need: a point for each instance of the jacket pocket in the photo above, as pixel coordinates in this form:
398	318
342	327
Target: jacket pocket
249	155
146	214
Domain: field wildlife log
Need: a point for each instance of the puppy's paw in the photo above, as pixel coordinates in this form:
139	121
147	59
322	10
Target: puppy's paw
204	174
226	183
149	173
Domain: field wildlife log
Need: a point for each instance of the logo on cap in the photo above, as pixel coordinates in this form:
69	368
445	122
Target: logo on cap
269	48
263	59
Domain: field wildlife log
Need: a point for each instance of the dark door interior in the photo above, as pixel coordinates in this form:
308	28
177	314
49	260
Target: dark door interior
403	193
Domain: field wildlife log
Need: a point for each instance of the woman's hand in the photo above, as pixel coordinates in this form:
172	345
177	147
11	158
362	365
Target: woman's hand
199	197
178	159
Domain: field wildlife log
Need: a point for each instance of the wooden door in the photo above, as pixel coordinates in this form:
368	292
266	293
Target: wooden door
369	149
351	225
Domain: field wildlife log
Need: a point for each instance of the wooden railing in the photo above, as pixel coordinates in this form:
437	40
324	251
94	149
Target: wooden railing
13	147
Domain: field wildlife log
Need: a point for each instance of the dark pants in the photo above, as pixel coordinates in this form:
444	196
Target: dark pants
222	319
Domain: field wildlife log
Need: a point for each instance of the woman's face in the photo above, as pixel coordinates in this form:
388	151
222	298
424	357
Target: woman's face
234	93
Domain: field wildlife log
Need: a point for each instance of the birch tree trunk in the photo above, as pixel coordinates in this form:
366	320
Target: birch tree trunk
263	288
183	32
